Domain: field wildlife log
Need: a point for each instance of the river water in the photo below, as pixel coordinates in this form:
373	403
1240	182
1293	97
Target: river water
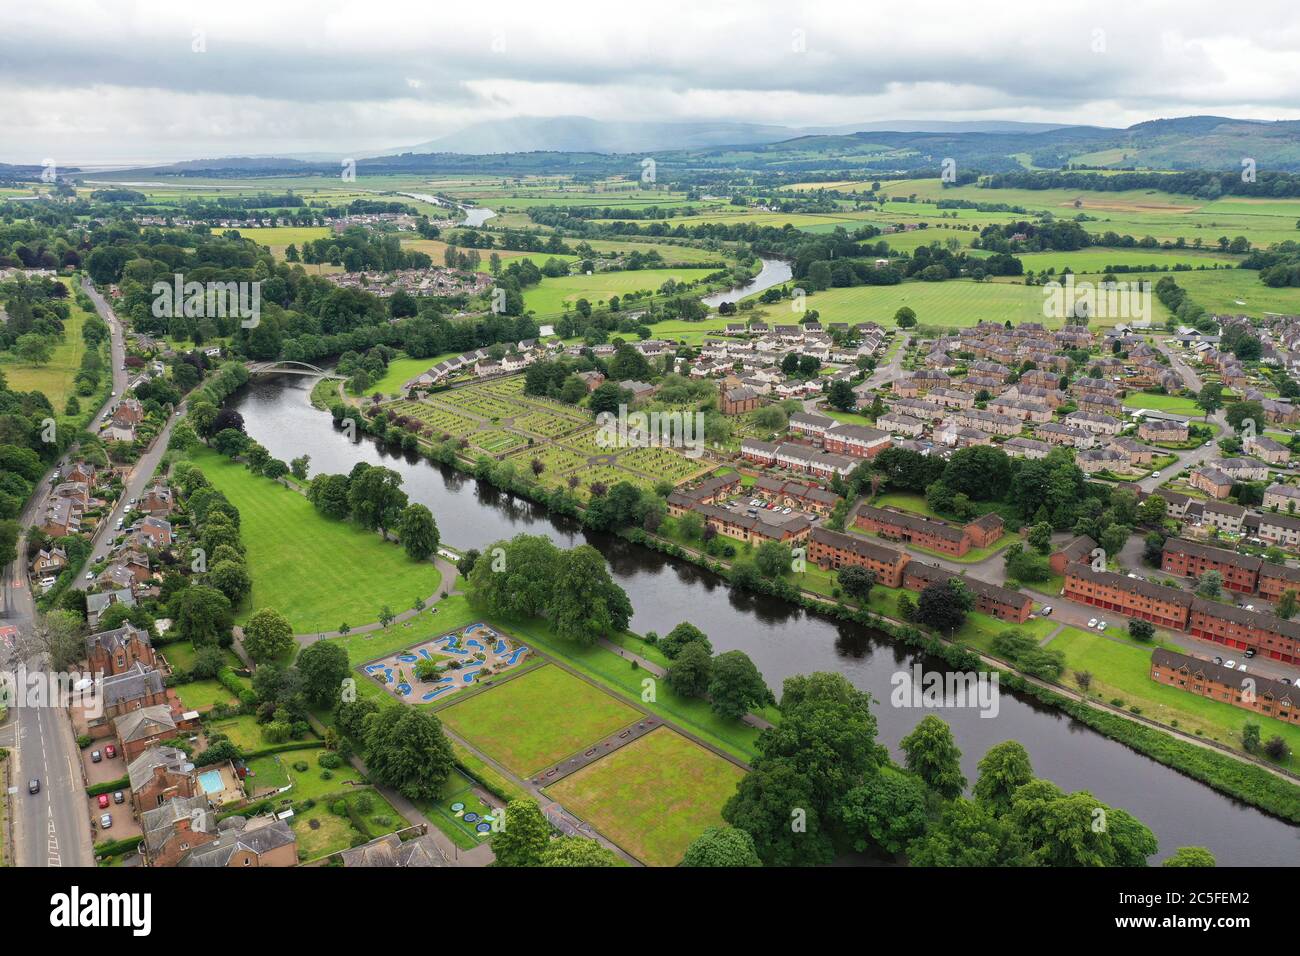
784	640
774	272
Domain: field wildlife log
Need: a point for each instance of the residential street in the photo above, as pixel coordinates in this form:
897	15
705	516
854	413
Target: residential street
51	827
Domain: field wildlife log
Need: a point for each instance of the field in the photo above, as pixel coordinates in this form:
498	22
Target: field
55	378
278	238
553	296
534	720
1174	404
317	572
653	796
1122	670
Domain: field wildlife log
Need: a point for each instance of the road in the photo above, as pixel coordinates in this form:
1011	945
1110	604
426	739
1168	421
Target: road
51	828
1194	457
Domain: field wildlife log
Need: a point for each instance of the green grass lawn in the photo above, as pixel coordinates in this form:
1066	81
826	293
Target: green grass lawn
1174	404
317	572
457	789
244	731
202	694
553	296
1121	669
653	796
534	720
321	832
55	378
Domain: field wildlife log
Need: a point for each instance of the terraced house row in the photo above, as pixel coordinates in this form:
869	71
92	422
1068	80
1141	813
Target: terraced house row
1262	695
1181	611
929	533
1244	573
832	550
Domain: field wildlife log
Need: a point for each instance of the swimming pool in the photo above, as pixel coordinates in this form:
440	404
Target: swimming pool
210	781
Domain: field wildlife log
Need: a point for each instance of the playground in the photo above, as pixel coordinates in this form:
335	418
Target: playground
434	670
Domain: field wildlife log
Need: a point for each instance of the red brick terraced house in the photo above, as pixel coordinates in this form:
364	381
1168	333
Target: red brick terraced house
999	602
1191	559
1131	597
927	533
832	550
1262	695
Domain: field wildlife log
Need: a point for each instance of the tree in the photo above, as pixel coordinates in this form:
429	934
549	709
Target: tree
887	809
587	604
34	349
350	717
1287	606
943	606
967	834
268	635
406	749
840	395
905	318
932	755
323	667
856	582
1040	535
736	686
202	614
1191	856
722	847
775	805
376	499
58	635
1141	630
773	559
688	675
299	466
1003	770
524	835
1210	584
1210	399
684	633
230	442
418	532
231	578
577	851
1062	829
1250	738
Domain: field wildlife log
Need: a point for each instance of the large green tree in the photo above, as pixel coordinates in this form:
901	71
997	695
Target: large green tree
323	667
406	749
932	755
722	847
735	685
268	635
418	532
524	836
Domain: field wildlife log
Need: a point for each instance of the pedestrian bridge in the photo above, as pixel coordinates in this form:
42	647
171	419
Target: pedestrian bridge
290	368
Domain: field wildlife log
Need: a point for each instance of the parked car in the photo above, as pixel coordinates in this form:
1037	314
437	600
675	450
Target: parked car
1248	653
103	801
110	751
48	583
106	822
1155	474
1047	611
785	511
1218	660
90	575
119	796
1230	663
34	785
1093	622
1101	625
1241	666
96	756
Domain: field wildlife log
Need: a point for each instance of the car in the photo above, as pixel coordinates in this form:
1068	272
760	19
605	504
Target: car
106	821
120	522
785	511
110	751
1241	666
103	801
1047	611
1206	445
1230	664
1218	660
48	582
90	575
34	785
1250	607
1248	653
1093	622
1101	625
119	796
1155	474
1286	680
96	756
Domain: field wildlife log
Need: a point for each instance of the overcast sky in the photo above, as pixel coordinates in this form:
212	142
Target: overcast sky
135	80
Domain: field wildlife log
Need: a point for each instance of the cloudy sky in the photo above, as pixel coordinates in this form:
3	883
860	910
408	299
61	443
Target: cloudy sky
138	80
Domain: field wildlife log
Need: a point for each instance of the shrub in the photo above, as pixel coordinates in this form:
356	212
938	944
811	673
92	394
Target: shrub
329	761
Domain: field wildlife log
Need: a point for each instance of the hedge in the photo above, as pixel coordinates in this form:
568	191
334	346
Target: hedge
108	786
111	848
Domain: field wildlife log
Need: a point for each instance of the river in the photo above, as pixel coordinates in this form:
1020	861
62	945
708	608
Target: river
774	272
784	640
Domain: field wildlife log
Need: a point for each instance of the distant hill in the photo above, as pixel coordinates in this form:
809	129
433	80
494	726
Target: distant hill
579	134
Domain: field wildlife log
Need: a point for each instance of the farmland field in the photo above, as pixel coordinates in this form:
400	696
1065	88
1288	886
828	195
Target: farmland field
654	796
536	719
54	379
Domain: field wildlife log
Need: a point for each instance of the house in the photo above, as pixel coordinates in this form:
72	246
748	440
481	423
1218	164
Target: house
240	842
1223	516
127	413
927	533
1130	597
1282	498
155	532
62	517
1263	695
119	650
1280	529
1136	452
97	604
157	501
897	423
391	851
736	401
1241	469
1158	430
795	494
138	730
1211	481
832	550
1059	434
1078	549
811	425
1096	460
593	379
858	441
1273	452
1094	422
999	602
1026	448
639	390
160	774
175	827
1191	559
130	690
50	561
